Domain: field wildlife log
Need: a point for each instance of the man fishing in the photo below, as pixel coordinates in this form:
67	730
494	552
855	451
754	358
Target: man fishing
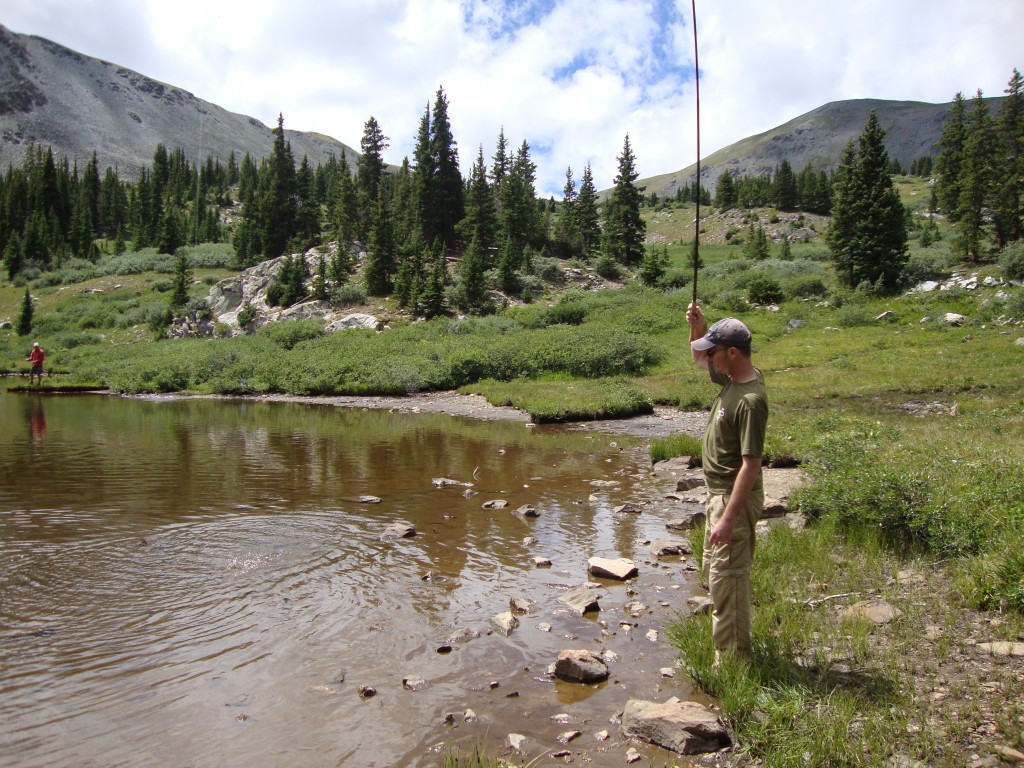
36	357
732	451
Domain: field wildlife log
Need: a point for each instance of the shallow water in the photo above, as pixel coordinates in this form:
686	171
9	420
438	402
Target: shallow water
193	583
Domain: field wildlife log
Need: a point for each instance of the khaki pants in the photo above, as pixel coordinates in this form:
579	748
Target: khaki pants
727	571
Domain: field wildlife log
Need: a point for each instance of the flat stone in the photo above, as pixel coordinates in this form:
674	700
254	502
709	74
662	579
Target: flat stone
581	600
517	741
688	522
1009	754
877	611
774	508
629	508
683	727
446	482
541	562
463	635
620	569
495	504
369	499
527	510
520	605
1002	648
700	605
669	548
689	482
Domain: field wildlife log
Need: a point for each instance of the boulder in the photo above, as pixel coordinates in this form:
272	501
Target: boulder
952	318
688	521
700	606
526	510
520	605
505	623
620	569
580	666
581	600
354	320
691	481
541	562
669	548
683	727
774	508
399	530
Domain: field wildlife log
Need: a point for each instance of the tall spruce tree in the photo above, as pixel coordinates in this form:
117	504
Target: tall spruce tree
868	233
588	216
277	202
977	174
380	266
567	233
725	192
1008	204
785	187
950	159
24	326
370	172
481	222
624	229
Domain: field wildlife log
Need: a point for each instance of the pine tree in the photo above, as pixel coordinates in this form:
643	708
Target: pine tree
345	216
320	290
472	280
868	234
725	192
500	164
431	299
588	217
785	187
24	326
785	250
277	197
654	264
380	266
950	159
624	229
182	280
977	174
481	222
567	233
369	172
756	245
1008	203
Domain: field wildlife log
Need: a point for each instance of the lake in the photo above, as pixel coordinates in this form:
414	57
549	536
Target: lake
190	582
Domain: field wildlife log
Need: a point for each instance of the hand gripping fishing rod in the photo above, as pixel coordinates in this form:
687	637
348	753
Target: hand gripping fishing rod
696	221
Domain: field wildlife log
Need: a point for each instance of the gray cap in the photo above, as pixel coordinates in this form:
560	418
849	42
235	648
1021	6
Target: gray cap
729	332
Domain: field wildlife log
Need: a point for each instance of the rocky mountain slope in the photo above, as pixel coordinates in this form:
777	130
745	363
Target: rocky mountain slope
51	95
817	138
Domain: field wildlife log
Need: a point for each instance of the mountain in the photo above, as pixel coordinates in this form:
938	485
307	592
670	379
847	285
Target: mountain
53	96
912	131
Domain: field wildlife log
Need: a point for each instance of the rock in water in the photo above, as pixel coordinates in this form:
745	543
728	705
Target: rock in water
399	530
505	623
581	600
680	726
620	569
580	666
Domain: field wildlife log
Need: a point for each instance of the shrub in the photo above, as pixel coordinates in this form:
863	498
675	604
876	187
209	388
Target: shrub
246	314
1015	304
548	269
349	294
607	267
806	288
566	313
764	289
288	334
1011	260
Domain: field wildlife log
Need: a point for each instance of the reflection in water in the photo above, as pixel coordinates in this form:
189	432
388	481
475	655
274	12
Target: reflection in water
202	579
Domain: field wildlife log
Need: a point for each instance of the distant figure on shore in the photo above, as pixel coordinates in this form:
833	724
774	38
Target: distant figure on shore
36	357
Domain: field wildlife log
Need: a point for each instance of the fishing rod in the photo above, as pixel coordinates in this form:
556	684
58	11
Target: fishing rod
696	221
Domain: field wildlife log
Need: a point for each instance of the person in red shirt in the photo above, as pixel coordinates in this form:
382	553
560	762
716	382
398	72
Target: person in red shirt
36	357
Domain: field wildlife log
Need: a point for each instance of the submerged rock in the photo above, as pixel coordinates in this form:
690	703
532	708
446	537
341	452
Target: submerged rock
445	482
581	600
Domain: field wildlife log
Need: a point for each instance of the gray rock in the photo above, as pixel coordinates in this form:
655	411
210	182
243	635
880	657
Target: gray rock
354	320
688	522
517	741
683	727
620	569
774	508
541	562
887	315
952	318
495	504
629	508
445	482
636	608
632	756
669	548
1019	342
505	623
463	635
527	510
580	666
369	499
566	736
412	683
691	481
700	605
520	605
581	600
399	530
1002	648
877	611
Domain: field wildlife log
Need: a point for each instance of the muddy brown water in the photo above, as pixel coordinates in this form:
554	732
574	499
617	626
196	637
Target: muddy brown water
199	583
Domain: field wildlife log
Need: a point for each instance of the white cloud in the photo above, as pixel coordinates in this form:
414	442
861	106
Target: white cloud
571	77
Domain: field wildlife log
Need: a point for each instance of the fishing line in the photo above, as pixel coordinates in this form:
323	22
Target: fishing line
696	221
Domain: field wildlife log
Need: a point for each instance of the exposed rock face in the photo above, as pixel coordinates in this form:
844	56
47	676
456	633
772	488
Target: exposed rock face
680	726
580	666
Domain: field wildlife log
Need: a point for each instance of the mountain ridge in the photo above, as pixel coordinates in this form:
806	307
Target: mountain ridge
51	95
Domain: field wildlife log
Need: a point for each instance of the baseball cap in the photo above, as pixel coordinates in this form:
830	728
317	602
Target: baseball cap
729	332
35	343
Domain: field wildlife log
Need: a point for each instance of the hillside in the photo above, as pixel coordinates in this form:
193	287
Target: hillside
912	131
51	95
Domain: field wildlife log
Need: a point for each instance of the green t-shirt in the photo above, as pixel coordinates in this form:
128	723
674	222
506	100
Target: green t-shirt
735	429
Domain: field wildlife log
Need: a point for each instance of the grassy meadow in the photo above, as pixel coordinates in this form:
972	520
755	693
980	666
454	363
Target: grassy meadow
909	428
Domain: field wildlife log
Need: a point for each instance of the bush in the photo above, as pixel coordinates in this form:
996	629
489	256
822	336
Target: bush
607	267
806	288
921	267
288	334
349	294
246	314
1015	304
1011	260
764	289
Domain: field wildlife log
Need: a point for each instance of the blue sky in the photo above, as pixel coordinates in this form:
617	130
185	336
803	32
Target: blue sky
571	77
